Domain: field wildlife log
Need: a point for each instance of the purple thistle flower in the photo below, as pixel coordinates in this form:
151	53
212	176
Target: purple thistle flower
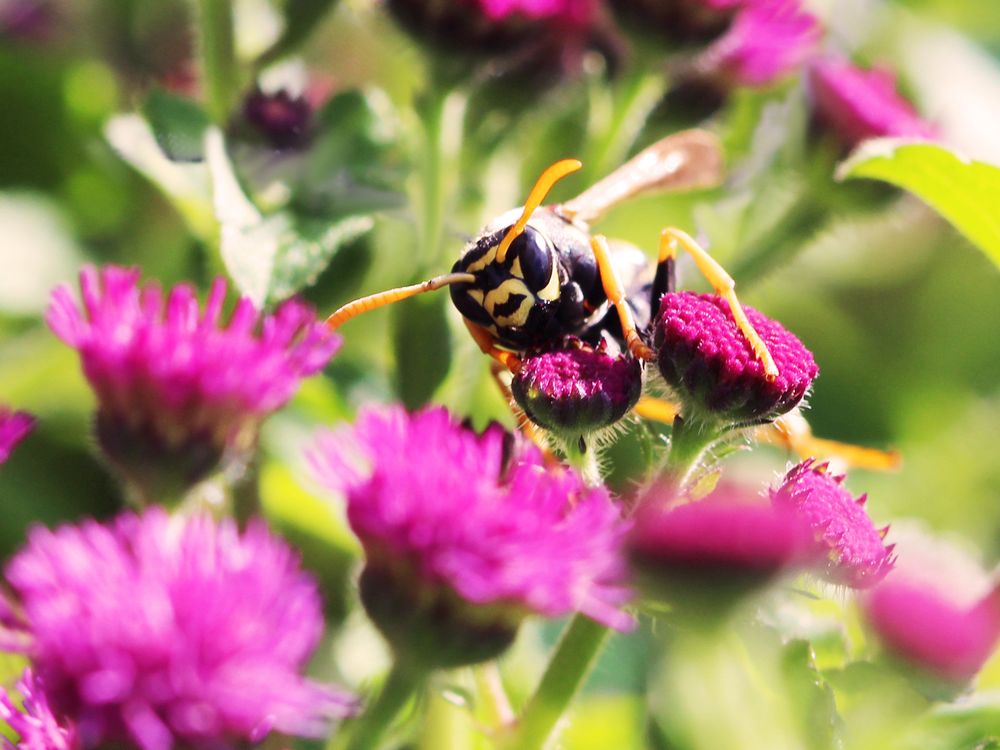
563	10
14	427
577	390
453	516
707	360
925	628
35	723
857	104
177	387
854	548
705	555
161	631
767	41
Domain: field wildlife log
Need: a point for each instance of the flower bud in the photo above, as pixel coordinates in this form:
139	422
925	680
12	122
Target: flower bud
706	359
577	390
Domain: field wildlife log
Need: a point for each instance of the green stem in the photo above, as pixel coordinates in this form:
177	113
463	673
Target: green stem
219	72
582	456
575	655
365	732
689	440
445	725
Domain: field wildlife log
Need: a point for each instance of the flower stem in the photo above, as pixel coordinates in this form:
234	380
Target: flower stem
689	440
780	244
582	456
366	731
432	108
217	46
570	664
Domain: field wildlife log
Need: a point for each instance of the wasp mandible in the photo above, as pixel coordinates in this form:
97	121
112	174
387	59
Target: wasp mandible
535	274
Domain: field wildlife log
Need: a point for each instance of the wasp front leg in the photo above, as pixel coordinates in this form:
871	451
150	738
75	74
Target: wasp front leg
487	344
616	296
670	240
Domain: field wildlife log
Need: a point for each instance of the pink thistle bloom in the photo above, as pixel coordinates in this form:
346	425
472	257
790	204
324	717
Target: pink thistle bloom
708	361
925	628
35	723
562	10
844	532
578	389
767	41
717	549
164	632
176	385
465	520
857	104
14	427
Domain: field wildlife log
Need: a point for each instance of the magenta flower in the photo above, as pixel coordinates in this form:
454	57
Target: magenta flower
177	386
707	360
767	41
924	627
163	632
573	11
456	518
14	427
282	119
577	390
704	555
35	723
854	549
857	104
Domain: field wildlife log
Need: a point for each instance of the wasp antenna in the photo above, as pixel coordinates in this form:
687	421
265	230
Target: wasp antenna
381	299
549	177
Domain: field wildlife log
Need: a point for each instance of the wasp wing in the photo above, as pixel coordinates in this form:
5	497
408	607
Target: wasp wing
688	160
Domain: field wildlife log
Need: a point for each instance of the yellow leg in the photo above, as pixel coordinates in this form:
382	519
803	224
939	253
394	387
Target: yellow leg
657	409
794	433
484	339
616	295
724	286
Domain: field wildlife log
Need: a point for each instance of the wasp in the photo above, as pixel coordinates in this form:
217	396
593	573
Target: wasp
536	274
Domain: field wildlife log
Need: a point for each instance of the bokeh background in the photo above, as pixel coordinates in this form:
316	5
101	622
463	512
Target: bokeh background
901	312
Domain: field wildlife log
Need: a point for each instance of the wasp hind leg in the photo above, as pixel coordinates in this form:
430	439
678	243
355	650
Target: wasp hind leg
673	239
616	295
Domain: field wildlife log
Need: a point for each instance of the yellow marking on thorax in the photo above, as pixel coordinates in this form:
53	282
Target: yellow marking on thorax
477	295
503	293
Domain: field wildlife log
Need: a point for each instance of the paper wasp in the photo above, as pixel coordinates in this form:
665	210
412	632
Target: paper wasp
536	274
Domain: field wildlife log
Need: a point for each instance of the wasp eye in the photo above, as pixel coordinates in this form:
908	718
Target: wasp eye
533	253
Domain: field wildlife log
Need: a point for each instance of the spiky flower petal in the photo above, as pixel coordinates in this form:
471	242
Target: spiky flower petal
14	427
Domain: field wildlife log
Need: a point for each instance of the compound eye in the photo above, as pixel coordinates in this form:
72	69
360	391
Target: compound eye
533	252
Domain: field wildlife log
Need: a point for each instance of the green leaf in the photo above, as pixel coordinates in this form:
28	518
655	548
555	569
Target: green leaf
301	18
178	125
271	257
422	343
963	191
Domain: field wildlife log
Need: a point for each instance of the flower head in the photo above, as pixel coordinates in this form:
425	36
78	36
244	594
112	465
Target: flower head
14	427
281	118
767	41
467	526
35	723
844	532
577	390
162	631
706	359
857	104
925	628
177	387
706	554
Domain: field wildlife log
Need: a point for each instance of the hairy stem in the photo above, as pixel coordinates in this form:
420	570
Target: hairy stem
400	685
217	47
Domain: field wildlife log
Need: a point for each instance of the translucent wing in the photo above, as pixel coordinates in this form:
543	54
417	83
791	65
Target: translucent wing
688	160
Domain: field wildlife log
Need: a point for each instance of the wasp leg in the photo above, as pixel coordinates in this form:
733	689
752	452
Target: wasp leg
486	343
794	433
657	409
724	286
616	295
